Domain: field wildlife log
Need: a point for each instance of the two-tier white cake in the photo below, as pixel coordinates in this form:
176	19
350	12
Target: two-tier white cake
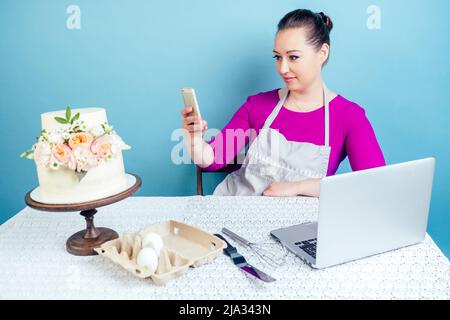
78	157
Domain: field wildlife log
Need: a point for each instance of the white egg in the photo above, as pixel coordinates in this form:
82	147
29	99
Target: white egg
153	240
147	257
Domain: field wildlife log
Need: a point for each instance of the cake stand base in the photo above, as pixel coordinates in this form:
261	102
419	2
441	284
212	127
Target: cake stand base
83	242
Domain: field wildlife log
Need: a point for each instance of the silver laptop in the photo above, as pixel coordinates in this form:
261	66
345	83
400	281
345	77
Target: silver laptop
364	213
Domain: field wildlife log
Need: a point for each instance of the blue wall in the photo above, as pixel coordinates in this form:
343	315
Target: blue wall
132	57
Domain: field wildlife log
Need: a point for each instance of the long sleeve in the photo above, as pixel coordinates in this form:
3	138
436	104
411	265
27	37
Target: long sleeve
361	143
233	137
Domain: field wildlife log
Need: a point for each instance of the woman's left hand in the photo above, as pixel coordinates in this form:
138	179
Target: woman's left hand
282	189
309	187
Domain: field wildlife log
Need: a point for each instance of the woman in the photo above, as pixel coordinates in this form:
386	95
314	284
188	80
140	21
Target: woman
303	131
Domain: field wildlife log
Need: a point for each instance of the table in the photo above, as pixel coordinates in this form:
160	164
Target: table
35	265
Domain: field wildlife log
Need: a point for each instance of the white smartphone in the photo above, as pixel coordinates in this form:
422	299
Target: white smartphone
190	100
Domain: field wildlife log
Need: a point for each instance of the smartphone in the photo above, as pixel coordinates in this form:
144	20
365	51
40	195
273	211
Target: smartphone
190	100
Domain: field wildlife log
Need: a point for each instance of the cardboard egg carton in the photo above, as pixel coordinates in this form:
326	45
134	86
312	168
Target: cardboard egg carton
184	246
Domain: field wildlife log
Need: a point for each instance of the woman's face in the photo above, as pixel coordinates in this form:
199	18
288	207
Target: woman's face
298	63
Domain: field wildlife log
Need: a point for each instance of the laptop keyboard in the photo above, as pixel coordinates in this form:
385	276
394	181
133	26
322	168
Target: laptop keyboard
309	246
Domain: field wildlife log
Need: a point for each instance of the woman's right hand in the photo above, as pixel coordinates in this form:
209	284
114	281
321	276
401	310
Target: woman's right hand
201	153
193	125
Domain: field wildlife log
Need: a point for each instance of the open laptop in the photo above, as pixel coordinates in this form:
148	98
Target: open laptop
364	213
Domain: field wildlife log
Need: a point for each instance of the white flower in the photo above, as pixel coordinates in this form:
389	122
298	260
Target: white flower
97	131
54	164
76	123
108	128
63	128
85	160
66	135
42	153
55	137
79	125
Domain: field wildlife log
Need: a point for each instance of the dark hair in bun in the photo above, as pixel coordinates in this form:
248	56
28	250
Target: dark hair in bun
326	19
317	25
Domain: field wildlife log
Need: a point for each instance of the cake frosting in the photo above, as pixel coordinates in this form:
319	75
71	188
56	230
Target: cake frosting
91	117
78	157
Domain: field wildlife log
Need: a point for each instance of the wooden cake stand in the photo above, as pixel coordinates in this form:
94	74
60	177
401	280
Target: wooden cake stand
83	242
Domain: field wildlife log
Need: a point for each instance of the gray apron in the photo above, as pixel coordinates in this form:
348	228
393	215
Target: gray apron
273	158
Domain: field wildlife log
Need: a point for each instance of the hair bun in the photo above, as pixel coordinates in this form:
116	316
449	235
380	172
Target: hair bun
326	19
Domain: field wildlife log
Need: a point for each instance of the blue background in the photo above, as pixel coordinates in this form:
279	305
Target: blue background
132	57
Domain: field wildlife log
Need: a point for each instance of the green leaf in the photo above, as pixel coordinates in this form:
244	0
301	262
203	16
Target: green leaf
26	153
61	120
75	118
68	114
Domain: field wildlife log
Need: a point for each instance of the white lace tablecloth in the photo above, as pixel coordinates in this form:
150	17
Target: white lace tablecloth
35	265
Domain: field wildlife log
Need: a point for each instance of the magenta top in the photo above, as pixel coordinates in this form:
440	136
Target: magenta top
351	133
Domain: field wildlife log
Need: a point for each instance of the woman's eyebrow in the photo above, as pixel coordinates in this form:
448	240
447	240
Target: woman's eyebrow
288	51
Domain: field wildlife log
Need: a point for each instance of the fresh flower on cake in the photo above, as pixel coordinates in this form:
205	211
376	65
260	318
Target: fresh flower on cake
75	146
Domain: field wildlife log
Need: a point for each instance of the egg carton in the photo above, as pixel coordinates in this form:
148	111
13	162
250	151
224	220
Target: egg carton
184	246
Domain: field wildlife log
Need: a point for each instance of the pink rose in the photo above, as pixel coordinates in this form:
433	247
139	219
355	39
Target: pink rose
42	154
62	153
101	148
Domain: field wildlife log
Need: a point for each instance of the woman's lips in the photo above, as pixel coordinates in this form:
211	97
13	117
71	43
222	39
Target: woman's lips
289	79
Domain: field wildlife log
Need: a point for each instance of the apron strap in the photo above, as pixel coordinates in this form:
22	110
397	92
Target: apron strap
284	94
273	115
326	100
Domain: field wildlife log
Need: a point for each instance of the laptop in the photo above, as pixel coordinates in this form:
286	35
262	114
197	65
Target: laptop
364	213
